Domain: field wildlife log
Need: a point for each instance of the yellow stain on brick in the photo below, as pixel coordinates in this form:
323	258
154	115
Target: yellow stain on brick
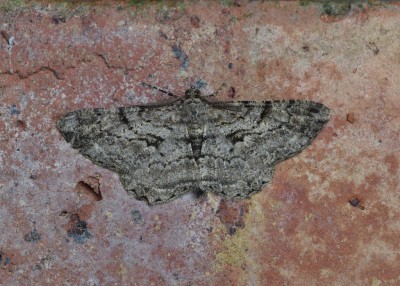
122	270
375	282
234	253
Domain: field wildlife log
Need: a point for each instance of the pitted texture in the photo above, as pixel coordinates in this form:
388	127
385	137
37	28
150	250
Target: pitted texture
163	151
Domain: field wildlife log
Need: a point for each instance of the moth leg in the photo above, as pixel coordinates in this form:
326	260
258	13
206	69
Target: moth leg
218	90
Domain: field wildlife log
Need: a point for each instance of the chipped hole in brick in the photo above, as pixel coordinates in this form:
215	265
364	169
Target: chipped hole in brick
21	124
5	35
63	213
33	176
350	118
356	203
9	39
195	21
231	92
90	187
73	217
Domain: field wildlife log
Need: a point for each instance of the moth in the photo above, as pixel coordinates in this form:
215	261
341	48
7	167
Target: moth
192	143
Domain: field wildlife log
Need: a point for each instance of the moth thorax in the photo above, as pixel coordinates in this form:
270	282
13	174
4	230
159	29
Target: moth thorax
192	92
194	110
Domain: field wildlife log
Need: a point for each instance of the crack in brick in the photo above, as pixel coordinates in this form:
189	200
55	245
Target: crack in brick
110	66
59	75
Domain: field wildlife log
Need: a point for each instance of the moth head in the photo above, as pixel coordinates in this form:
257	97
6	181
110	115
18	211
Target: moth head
192	92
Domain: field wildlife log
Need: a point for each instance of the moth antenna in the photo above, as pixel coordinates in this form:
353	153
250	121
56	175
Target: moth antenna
159	89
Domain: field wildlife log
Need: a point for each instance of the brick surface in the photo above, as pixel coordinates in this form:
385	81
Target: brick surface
66	221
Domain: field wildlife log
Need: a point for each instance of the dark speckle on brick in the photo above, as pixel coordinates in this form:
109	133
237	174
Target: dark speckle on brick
33	236
372	46
163	35
137	216
232	215
14	110
57	19
79	232
4	260
231	230
200	84
21	124
7	261
181	56
195	21
230	66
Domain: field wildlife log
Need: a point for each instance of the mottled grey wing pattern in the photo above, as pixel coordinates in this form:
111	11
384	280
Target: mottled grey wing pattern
147	146
161	152
245	140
